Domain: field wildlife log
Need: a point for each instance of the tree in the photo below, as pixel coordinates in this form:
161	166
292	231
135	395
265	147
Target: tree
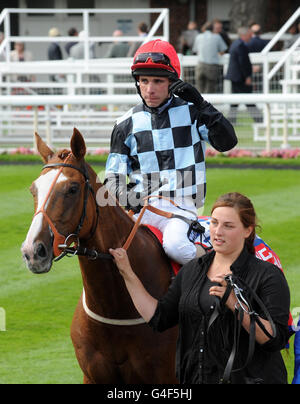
243	12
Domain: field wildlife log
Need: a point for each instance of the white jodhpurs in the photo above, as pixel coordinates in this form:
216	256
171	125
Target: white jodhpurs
175	241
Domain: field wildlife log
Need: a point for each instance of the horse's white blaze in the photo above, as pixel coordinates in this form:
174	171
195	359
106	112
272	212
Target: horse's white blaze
42	184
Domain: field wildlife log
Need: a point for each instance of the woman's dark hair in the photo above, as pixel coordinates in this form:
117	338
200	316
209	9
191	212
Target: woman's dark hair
246	212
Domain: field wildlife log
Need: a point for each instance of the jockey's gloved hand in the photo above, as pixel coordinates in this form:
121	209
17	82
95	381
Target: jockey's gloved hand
187	92
135	209
134	202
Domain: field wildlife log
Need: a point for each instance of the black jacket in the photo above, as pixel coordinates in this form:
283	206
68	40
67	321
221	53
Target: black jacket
201	358
239	63
153	144
256	44
54	52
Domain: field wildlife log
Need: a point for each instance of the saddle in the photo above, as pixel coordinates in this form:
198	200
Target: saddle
201	249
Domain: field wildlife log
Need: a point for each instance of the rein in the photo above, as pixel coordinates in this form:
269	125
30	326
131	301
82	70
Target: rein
242	306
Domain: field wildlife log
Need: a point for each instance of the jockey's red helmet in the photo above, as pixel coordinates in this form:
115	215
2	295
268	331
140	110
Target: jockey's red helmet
156	58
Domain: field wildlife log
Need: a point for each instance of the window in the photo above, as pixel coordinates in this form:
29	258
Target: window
38	4
80	3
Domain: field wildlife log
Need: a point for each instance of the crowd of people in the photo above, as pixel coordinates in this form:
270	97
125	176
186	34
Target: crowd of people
75	49
209	44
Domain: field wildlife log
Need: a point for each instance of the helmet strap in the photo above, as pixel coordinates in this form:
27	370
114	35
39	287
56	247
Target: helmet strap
139	91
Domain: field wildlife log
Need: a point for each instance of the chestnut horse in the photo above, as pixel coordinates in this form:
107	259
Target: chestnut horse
112	343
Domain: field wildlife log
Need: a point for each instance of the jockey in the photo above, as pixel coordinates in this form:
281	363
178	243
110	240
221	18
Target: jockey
159	145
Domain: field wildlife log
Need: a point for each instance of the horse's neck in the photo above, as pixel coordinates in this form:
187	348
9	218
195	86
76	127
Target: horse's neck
105	289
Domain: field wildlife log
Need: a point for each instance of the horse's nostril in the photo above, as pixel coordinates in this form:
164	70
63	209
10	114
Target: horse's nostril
26	256
41	251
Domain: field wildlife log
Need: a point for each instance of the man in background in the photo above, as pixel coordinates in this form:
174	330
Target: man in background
208	47
240	73
142	32
187	39
256	43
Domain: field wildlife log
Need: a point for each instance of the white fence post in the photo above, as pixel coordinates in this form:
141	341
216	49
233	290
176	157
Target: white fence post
2	319
7	36
48	126
35	126
268	128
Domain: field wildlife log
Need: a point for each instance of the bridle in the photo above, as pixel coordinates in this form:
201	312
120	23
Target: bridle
61	242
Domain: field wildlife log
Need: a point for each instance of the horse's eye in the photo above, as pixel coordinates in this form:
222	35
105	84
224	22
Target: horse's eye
73	189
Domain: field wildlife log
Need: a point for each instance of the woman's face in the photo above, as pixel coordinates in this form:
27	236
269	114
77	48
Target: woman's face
227	232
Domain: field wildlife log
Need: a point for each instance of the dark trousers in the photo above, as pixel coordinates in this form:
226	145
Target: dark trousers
242	88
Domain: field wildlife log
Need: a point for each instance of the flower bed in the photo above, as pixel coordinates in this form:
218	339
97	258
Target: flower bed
275	153
276	157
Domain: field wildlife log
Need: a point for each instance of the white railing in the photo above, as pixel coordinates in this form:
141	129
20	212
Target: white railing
128	100
74	70
161	20
281	32
268	75
106	80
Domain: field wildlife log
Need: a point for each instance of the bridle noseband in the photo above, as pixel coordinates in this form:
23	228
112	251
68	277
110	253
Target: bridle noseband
60	242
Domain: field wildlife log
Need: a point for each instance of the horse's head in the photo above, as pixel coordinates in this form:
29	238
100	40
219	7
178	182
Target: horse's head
62	203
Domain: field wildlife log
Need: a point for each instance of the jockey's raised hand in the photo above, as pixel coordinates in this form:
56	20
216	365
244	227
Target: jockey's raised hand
209	115
187	92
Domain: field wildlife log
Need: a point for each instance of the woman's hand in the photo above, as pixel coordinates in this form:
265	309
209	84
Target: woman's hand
122	261
220	291
143	301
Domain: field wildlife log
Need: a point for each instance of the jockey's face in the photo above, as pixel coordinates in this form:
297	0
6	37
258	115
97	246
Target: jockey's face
154	90
227	232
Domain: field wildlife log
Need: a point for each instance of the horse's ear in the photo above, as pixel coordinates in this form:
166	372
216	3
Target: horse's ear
78	145
45	151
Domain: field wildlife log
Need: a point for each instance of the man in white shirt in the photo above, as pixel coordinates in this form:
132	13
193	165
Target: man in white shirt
208	47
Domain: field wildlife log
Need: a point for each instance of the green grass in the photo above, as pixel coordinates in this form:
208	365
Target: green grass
36	347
